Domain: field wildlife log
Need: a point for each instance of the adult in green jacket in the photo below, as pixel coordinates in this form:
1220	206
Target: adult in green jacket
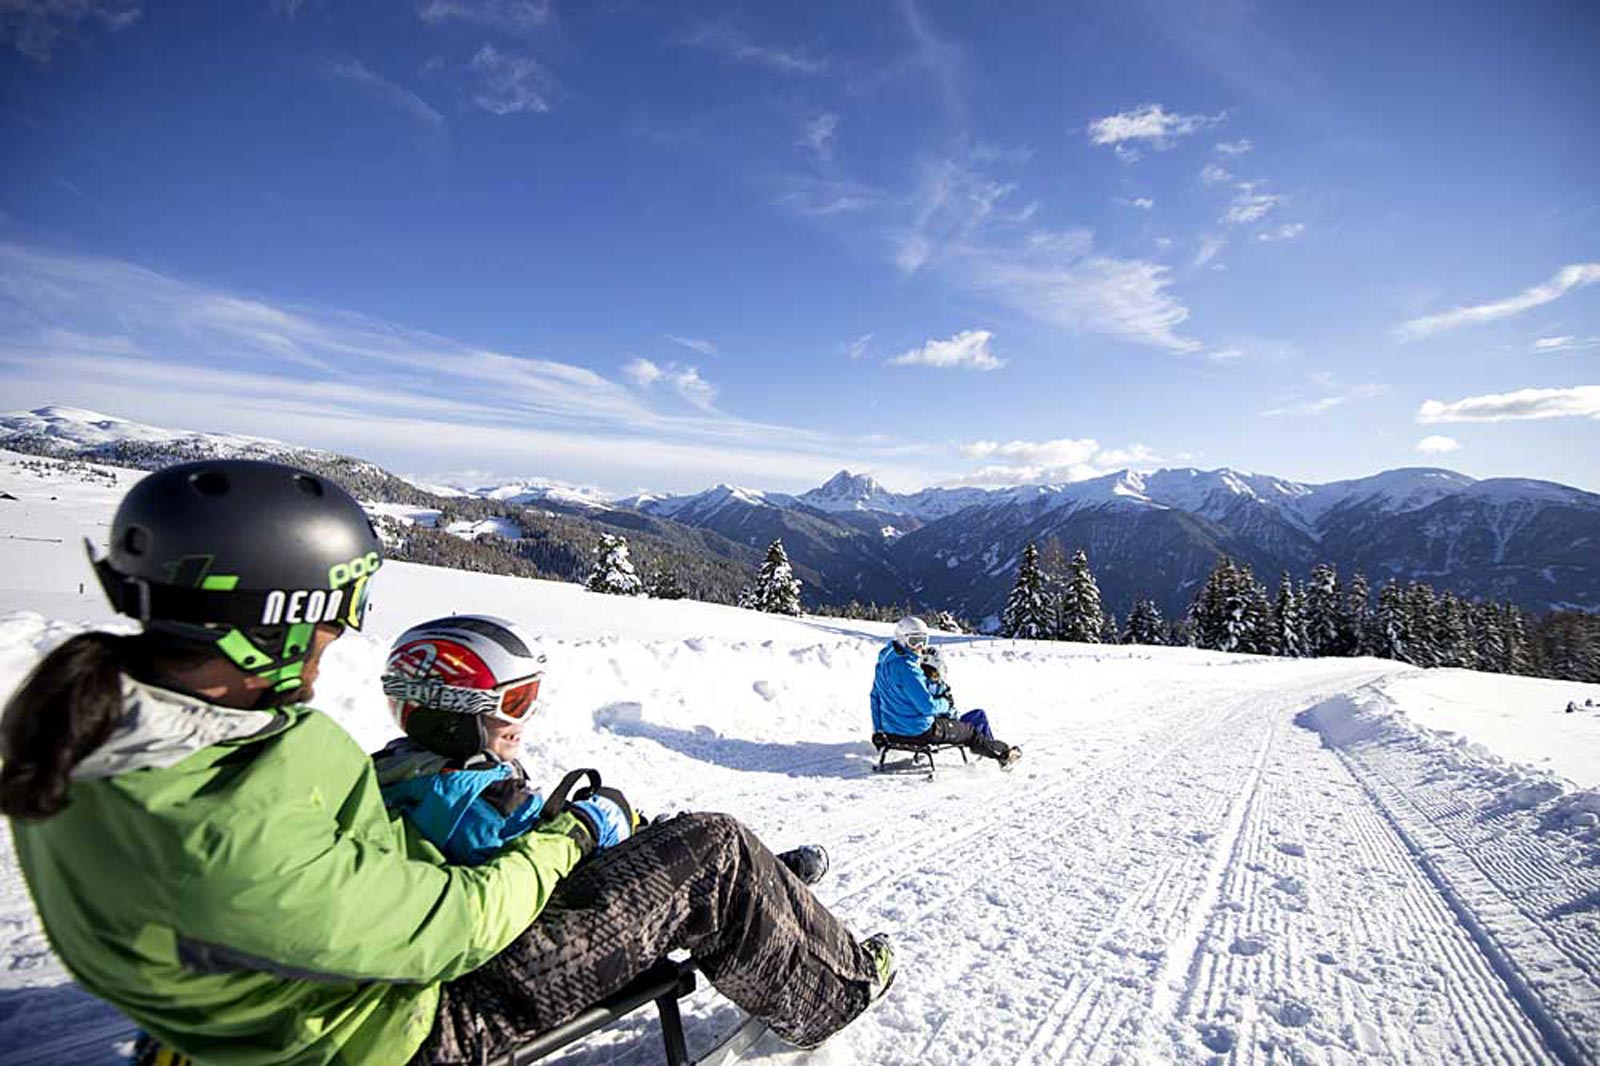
214	858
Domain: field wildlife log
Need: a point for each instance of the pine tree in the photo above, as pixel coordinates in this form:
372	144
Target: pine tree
1327	631
613	570
1081	615
1227	609
1488	637
1392	628
1289	630
1455	633
776	589
1516	659
1028	614
1145	625
663	585
1110	631
1424	627
1054	570
1257	636
1358	614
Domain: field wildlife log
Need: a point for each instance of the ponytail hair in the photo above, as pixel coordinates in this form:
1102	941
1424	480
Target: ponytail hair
65	709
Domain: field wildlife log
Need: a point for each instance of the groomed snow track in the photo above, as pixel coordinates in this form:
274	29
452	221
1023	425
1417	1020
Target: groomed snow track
1181	869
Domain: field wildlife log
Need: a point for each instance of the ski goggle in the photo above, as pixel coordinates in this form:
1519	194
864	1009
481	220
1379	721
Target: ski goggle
513	701
917	641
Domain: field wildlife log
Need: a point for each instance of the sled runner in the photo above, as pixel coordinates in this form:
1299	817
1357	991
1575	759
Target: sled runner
918	747
663	984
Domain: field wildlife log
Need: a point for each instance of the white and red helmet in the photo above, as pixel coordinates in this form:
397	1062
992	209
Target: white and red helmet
444	676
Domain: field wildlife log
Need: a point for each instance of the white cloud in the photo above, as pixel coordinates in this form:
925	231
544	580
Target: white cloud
34	27
376	87
1239	147
1143	203
510	84
723	39
1150	126
1580	401
107	334
1250	205
1286	232
515	15
1565	344
1568	278
818	197
968	350
694	344
1211	245
1437	445
817	135
1333	396
1023	462
857	348
1214	174
642	372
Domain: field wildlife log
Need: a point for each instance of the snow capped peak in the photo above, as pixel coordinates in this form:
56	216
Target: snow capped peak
92	429
544	492
700	505
845	491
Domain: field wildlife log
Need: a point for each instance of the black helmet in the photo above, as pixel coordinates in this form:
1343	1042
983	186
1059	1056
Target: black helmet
243	555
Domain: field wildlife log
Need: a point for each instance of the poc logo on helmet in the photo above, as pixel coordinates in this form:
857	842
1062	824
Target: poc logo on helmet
341	574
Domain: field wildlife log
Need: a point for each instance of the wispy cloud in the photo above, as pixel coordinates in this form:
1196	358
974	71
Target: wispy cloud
35	27
1331	395
857	349
1286	232
1211	246
1437	445
1150	126
510	84
108	334
1250	204
723	39
1580	401
817	135
380	89
513	15
1023	462
1143	203
683	380
967	350
1565	280
1565	344
694	344
1215	174
1239	147
819	197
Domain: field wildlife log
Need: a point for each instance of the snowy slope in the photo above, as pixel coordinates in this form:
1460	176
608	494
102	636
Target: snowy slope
1201	858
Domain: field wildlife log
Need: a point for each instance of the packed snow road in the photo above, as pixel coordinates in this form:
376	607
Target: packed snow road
1201	857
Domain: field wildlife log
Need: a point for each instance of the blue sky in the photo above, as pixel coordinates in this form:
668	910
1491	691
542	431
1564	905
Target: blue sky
649	245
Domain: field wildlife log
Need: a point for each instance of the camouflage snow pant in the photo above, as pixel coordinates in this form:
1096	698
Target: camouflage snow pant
701	882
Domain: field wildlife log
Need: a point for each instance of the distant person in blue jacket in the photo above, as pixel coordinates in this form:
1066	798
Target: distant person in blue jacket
912	699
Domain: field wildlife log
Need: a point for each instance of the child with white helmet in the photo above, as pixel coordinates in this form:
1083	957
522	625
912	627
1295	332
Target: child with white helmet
911	698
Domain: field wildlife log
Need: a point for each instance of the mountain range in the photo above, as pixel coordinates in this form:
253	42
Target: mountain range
1156	535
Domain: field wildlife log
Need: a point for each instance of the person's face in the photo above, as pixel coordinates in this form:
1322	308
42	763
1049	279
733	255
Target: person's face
325	634
505	738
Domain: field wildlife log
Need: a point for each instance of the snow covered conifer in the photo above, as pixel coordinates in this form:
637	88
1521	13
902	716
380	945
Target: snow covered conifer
613	570
1516	658
1110	631
664	585
1289	631
1420	611
1028	612
1326	626
1145	625
1081	614
1456	647
1256	635
1358	614
1488	636
1221	614
1392	628
776	589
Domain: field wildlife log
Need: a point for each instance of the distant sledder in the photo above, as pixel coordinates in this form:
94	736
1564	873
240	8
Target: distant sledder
912	705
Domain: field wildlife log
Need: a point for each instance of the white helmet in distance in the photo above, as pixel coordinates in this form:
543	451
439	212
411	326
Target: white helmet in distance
912	632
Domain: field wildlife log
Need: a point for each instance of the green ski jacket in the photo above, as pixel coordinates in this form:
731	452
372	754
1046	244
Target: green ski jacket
232	882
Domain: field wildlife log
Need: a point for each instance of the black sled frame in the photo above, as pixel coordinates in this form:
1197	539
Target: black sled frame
664	984
918	748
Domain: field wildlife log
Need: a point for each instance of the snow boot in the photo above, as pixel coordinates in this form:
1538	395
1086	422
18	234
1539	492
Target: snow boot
808	862
1010	758
881	948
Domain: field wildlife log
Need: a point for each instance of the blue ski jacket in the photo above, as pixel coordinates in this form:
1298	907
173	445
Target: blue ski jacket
469	812
901	700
